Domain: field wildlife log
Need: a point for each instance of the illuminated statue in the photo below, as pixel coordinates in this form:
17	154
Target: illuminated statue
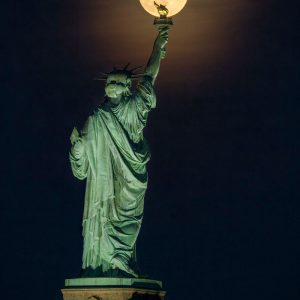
110	152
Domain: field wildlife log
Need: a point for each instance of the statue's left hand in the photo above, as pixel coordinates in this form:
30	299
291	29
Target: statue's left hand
74	136
77	144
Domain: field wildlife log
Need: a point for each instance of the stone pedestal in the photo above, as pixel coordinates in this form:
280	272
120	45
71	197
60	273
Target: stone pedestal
112	289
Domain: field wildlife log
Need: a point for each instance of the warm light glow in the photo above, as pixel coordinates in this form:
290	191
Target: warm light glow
174	6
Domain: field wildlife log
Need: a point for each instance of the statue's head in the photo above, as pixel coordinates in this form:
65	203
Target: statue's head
118	82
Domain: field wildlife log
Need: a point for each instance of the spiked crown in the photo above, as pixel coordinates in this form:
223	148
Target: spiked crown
125	71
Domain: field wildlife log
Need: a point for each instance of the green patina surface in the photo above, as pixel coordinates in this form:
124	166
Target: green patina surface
110	152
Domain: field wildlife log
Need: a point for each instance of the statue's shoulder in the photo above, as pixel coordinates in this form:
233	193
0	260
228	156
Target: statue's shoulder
101	108
92	120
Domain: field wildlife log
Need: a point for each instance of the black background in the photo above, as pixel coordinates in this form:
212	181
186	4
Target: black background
222	209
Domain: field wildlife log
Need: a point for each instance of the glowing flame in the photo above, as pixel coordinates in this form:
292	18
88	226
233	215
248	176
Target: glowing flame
174	6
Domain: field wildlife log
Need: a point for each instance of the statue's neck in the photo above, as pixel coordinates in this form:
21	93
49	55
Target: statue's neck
115	101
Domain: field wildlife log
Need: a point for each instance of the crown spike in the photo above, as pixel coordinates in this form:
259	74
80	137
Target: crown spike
100	78
125	68
139	75
134	69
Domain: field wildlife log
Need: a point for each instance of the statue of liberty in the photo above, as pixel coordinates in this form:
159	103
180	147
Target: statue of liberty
110	152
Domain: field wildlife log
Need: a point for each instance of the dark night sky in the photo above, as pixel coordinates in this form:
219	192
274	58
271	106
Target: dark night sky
222	210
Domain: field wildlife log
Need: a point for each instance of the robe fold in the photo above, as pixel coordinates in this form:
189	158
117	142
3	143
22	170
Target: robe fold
113	160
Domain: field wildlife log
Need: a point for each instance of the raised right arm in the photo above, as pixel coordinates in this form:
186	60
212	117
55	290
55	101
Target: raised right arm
157	54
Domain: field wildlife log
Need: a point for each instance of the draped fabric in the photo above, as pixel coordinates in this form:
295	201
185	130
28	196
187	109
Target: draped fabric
113	160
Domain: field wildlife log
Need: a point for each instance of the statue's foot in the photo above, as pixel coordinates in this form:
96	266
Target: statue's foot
117	263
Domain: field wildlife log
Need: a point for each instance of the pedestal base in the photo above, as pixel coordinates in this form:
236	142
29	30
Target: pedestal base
112	294
112	289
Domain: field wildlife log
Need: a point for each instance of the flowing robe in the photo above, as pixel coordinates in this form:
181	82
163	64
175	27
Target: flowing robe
113	160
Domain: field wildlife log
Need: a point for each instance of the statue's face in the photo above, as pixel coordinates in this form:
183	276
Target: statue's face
116	85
